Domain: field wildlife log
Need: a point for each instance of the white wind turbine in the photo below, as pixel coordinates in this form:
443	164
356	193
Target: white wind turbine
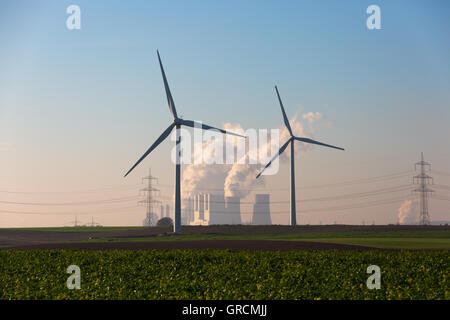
177	123
283	147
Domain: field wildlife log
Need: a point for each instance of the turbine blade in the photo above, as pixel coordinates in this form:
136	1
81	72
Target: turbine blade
168	93
193	124
161	138
286	120
307	140
283	147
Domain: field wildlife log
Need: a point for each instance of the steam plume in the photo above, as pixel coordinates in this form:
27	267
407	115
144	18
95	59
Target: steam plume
408	213
237	179
312	117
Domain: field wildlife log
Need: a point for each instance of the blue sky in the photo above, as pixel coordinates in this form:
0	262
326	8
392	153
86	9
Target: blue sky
77	108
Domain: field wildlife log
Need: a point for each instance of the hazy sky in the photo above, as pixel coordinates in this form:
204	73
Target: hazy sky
79	107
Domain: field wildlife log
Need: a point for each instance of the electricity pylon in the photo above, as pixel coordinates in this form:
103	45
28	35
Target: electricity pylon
150	190
423	180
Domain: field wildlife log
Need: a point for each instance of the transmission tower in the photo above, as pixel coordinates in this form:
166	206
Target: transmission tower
75	222
149	201
93	223
423	180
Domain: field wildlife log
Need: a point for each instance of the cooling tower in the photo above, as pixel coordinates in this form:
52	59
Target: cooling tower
233	209
261	210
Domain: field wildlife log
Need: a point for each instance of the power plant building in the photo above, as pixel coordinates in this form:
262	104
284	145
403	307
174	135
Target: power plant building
210	209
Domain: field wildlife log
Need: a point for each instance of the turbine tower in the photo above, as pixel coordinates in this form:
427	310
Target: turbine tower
177	123
283	147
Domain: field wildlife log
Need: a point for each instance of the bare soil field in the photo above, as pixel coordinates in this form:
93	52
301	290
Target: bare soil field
20	238
264	245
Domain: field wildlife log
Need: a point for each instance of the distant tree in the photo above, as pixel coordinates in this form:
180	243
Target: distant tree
165	222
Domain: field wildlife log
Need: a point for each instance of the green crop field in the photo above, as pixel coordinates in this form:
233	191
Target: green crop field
392	240
214	274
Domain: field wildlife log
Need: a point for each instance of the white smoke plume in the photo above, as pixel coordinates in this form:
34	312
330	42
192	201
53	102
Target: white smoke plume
241	176
408	213
232	179
312	117
203	178
238	178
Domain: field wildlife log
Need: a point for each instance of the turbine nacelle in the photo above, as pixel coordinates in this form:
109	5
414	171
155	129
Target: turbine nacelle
292	138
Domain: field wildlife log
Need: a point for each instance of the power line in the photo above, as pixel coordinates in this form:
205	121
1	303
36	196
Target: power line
130	187
349	182
100	190
324	209
93	223
438	197
360	205
75	222
94	202
361	181
441	172
340	197
333	208
369	193
100	211
351	206
441	186
360	194
331	198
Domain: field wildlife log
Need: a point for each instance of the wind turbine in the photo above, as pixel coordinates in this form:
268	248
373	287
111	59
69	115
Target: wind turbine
283	147
177	123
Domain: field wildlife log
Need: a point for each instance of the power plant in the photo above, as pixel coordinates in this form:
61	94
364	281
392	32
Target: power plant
210	209
215	209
